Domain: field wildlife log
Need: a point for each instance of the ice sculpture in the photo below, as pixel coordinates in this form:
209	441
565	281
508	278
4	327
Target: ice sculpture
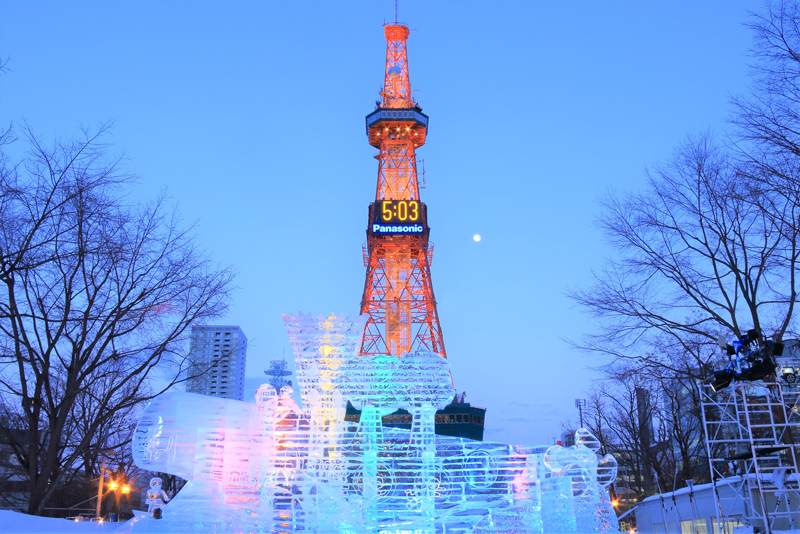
274	467
156	497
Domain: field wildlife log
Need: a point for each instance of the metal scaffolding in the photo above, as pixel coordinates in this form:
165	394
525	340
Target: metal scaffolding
751	429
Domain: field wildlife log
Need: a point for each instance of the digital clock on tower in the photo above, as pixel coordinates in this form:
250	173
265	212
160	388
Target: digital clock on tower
398	211
398	217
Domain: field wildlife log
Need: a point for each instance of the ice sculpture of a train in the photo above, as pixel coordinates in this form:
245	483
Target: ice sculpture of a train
272	467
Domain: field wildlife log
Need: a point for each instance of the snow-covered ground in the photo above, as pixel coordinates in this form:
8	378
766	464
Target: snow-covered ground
16	523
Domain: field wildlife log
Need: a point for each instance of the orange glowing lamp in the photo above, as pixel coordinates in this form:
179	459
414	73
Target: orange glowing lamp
113	485
126	488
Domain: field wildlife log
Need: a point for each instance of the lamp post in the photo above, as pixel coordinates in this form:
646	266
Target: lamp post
114	486
120	487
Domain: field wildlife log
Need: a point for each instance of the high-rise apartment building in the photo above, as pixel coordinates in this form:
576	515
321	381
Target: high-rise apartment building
218	355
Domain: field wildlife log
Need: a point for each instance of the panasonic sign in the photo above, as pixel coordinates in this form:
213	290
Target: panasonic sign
397	229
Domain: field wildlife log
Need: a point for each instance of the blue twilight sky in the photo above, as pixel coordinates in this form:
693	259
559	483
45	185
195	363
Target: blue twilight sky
251	115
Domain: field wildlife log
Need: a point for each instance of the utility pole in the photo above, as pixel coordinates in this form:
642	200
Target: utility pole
102	473
100	487
580	404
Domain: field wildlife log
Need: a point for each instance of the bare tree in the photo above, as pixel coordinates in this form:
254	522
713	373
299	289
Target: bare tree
680	436
768	118
97	299
651	426
697	255
709	247
611	415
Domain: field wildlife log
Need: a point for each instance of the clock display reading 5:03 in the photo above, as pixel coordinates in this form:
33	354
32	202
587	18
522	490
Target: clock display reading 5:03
399	211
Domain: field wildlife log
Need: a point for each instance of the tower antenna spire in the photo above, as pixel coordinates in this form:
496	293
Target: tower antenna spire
395	11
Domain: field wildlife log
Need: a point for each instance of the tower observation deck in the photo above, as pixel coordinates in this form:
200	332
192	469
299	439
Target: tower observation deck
398	293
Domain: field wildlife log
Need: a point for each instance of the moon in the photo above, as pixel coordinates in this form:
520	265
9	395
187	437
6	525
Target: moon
476	237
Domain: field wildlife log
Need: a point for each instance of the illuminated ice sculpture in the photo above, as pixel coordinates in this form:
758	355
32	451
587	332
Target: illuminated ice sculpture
274	467
156	497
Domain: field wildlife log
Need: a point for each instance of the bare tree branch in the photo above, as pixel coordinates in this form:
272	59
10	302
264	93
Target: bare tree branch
97	296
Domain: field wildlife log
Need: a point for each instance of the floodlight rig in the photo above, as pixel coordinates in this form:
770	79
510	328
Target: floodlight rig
398	293
751	358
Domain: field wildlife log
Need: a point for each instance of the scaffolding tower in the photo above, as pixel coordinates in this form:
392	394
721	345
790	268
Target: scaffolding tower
751	429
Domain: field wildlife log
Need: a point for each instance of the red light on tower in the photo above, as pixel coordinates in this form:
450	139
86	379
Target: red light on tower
398	294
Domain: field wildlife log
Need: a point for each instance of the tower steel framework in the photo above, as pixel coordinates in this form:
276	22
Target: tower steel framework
398	293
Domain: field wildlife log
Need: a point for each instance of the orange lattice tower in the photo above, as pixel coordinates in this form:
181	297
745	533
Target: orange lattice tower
398	294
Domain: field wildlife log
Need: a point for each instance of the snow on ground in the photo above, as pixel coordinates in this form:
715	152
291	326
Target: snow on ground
16	523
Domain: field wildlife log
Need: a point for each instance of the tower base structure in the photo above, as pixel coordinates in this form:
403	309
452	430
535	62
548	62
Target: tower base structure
459	419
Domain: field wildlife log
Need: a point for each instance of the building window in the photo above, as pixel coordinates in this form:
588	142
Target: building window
689	526
728	526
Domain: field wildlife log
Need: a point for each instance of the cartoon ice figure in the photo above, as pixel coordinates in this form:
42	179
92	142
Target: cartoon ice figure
156	497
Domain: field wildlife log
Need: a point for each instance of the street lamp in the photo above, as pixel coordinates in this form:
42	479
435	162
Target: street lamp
119	487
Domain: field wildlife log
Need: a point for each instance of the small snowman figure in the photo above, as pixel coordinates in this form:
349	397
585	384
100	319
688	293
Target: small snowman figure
156	497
